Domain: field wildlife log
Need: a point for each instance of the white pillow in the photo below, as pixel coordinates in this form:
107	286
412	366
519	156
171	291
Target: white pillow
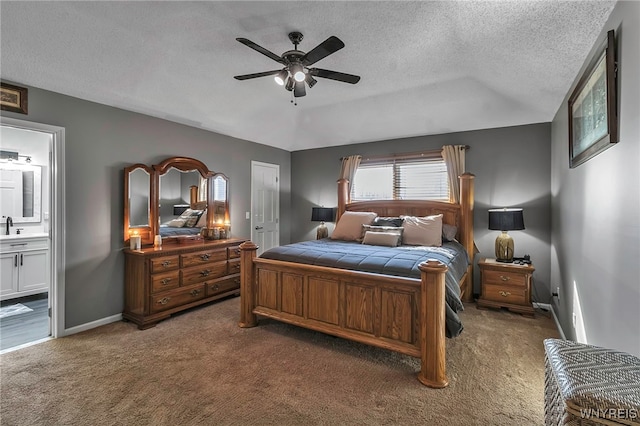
202	222
349	226
389	239
177	223
422	231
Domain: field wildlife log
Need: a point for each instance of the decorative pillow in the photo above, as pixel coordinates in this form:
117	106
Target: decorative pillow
202	222
449	232
389	239
177	223
388	221
190	217
423	231
349	226
391	229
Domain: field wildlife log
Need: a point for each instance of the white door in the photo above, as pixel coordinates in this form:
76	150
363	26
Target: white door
265	205
33	271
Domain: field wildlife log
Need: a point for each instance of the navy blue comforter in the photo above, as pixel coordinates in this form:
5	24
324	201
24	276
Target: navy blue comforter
400	261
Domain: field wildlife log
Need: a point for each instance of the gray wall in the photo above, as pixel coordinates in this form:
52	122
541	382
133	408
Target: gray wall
596	213
511	166
100	142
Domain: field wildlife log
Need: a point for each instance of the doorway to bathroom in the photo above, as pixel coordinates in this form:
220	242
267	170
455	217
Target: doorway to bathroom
31	238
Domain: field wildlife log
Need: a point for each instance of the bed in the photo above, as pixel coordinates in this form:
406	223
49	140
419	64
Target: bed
372	305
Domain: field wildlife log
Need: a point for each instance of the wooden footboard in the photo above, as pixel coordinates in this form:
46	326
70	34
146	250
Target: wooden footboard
405	315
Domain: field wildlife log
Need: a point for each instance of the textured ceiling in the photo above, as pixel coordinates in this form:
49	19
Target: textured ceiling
427	67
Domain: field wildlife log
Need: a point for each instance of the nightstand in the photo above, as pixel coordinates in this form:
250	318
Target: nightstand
506	285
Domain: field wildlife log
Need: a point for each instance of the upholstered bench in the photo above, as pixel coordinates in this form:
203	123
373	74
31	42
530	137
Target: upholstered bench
589	385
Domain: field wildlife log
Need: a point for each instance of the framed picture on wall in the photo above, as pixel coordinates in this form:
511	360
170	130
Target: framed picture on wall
13	98
593	115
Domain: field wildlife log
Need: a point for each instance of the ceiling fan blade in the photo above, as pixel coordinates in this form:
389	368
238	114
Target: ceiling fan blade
256	75
324	49
299	90
260	49
334	75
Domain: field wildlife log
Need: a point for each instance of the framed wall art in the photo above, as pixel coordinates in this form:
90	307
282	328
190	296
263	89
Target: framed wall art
13	98
593	113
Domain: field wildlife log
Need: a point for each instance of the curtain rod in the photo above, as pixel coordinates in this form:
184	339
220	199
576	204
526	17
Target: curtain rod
405	155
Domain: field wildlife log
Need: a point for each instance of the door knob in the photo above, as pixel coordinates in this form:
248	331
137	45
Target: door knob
258	228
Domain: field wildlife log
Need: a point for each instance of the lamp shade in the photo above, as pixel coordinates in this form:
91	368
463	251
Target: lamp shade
322	214
506	219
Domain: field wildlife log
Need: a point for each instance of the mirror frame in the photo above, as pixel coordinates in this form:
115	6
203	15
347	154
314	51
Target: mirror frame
146	232
184	164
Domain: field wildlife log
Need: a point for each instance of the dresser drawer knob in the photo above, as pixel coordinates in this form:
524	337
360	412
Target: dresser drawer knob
215	287
237	281
503	278
164	300
236	251
195	292
165	281
166	263
236	266
205	273
505	293
205	256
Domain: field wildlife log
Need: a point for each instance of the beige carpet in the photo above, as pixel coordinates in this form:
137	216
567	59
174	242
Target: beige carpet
200	368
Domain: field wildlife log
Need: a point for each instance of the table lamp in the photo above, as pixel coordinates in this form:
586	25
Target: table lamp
505	220
322	215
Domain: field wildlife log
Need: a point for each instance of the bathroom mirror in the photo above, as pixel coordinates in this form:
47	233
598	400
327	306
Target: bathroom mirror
20	193
137	202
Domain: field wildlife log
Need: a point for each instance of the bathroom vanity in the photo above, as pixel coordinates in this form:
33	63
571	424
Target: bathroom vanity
24	265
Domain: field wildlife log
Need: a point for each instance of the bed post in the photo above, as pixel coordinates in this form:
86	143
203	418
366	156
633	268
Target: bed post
343	196
466	228
432	325
247	284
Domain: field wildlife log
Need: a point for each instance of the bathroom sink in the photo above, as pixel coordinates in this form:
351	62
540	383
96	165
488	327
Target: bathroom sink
24	236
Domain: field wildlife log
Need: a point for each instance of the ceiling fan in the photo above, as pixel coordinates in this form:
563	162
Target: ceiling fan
296	63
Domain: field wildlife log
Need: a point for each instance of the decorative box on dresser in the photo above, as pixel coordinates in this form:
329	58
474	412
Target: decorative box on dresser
162	281
506	285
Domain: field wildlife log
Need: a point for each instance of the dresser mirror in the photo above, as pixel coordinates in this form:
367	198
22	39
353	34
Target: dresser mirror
177	190
137	203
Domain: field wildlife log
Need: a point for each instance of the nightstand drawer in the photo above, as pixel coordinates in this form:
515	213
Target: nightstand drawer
503	277
505	294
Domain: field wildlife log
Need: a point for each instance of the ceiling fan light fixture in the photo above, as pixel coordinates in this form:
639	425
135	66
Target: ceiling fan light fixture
289	84
281	77
311	81
298	72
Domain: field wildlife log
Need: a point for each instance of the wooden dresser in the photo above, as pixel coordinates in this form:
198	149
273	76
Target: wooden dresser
506	285
162	281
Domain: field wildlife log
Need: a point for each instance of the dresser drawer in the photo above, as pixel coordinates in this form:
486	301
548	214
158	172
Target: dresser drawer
234	252
202	257
204	272
222	285
503	277
178	297
505	294
165	281
234	266
166	263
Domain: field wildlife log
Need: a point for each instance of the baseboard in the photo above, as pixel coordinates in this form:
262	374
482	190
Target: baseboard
548	307
92	324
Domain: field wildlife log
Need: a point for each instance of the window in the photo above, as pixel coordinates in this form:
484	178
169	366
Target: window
408	177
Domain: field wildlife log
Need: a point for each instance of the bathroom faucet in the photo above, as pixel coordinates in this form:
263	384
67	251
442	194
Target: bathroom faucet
9	223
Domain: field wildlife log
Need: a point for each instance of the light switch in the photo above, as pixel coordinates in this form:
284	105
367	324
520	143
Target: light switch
248	215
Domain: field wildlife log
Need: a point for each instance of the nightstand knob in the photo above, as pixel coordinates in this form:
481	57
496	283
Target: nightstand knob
503	278
504	293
